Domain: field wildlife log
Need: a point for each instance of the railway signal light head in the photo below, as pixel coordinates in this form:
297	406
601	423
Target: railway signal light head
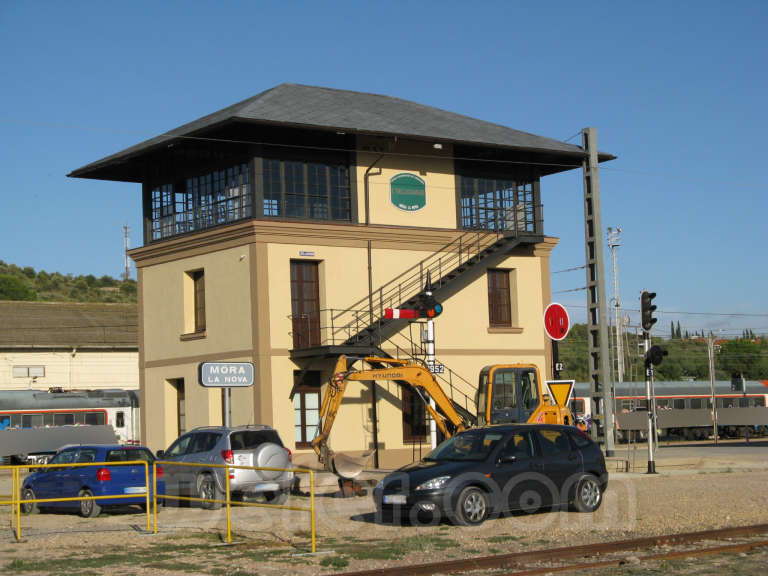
655	355
430	310
647	309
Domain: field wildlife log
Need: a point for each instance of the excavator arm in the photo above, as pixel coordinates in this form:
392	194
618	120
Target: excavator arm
401	371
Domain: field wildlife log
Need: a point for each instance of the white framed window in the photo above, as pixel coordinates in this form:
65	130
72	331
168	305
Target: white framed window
28	371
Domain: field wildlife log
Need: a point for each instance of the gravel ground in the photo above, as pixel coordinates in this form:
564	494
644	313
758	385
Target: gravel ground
273	541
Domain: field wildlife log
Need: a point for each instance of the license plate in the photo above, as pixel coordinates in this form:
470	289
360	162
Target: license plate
135	490
394	499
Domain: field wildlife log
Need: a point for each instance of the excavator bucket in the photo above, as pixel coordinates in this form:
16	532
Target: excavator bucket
349	467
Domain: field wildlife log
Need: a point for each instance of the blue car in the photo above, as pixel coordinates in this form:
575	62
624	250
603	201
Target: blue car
103	480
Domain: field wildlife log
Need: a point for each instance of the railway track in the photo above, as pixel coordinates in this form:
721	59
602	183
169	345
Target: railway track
601	555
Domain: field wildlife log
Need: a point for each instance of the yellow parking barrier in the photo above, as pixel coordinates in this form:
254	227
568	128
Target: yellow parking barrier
16	500
228	501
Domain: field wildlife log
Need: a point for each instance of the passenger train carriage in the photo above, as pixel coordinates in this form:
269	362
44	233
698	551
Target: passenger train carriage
28	409
682	408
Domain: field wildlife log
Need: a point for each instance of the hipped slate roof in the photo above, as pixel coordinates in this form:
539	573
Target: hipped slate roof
314	107
68	325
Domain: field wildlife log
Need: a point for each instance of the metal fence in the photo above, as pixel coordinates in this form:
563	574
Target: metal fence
16	500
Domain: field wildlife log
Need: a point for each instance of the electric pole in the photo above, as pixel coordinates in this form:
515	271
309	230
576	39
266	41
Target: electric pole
601	390
126	260
614	241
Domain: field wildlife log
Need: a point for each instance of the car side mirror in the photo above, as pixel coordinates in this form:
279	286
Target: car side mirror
160	454
507	459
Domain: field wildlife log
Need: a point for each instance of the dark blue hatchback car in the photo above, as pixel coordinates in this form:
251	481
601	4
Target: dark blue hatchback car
487	471
105	480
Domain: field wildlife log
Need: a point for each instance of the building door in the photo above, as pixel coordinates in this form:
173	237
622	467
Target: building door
306	406
305	304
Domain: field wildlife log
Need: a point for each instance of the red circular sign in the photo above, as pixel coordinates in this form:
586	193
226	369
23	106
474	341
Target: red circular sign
556	321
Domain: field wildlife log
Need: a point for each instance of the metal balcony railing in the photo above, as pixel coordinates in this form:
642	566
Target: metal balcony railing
442	266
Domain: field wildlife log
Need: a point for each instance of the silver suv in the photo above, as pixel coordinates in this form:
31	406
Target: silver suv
258	446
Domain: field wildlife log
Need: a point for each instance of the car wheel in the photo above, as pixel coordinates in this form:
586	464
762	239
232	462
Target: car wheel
209	490
589	494
471	507
88	508
31	507
277	498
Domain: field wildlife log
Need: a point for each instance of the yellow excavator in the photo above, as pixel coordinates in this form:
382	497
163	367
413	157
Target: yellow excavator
506	393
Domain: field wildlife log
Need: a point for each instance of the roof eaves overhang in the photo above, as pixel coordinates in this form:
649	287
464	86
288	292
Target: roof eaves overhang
96	169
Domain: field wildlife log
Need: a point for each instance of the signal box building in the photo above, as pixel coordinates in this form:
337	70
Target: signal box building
278	230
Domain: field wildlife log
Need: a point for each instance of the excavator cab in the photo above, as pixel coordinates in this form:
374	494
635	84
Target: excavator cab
507	393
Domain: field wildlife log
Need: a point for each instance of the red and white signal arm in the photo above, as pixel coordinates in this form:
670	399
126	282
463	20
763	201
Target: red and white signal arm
556	321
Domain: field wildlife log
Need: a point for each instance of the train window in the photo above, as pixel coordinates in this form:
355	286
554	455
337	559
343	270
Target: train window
727	403
62	419
709	403
79	417
696	403
120	419
678	404
32	421
627	405
663	403
577	406
758	401
15	420
94	418
48	419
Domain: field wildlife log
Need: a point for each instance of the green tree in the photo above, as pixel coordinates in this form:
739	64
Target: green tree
12	287
740	356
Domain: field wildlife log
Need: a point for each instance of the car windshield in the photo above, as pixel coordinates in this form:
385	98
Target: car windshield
475	445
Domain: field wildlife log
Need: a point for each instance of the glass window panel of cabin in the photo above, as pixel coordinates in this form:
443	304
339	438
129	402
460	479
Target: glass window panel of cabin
486	202
272	188
679	404
295	194
317	189
468	204
79	417
341	208
506	199
695	403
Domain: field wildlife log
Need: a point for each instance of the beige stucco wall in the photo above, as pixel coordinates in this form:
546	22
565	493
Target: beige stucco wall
227	300
465	343
72	369
433	166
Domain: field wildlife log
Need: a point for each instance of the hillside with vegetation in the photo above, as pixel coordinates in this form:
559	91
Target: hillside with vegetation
687	356
18	283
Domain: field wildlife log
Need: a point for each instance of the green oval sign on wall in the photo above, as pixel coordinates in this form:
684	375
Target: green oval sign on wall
408	192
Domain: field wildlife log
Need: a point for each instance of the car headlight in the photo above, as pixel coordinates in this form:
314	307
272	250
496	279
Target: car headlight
434	484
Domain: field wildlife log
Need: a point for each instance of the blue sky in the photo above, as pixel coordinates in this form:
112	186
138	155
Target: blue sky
676	90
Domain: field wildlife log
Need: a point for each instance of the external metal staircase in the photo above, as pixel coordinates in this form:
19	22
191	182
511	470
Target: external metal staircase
362	329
